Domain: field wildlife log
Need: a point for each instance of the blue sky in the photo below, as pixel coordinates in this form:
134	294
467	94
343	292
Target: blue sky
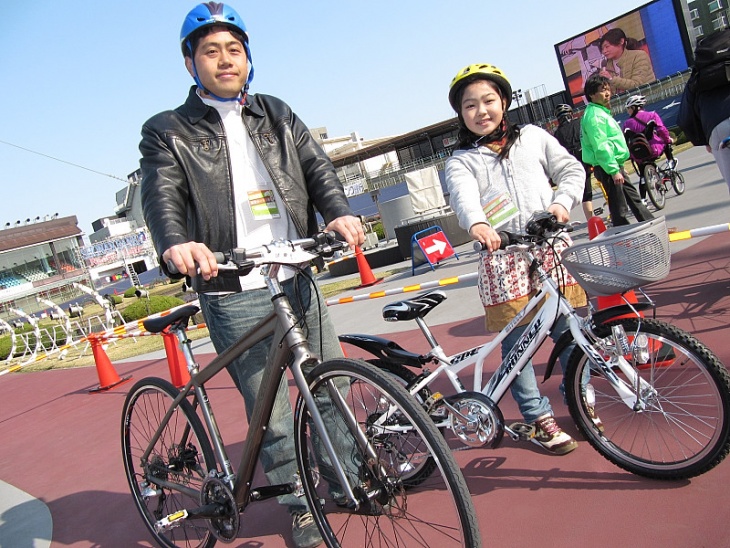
80	77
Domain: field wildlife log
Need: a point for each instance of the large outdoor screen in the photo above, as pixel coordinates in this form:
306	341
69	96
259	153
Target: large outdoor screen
634	49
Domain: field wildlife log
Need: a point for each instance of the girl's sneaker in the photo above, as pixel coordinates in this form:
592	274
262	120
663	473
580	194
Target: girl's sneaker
551	436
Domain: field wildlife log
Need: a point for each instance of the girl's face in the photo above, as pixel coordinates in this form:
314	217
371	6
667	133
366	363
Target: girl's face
610	51
482	108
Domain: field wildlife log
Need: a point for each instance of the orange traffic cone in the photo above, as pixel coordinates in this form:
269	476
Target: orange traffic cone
366	274
108	377
596	227
179	375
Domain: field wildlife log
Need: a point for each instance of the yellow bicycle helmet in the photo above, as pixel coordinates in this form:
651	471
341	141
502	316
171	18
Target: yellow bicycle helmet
475	72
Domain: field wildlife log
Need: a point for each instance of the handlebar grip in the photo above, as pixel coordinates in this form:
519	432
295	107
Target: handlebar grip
220	258
504	242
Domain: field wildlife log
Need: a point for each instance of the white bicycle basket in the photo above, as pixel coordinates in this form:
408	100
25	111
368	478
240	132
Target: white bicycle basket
621	258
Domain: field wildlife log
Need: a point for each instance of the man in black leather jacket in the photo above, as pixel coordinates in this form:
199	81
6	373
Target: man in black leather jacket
227	170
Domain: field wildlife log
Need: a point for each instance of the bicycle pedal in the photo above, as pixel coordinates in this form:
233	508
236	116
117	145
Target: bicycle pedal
521	431
170	521
433	401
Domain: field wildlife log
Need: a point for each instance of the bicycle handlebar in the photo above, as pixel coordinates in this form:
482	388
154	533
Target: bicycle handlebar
539	228
285	252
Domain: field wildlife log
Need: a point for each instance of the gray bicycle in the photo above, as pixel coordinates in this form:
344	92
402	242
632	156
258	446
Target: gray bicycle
359	436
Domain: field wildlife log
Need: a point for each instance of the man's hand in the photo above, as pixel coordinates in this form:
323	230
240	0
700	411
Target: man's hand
618	178
485	234
190	256
350	228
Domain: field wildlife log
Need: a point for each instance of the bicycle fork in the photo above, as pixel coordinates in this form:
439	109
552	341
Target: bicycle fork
634	390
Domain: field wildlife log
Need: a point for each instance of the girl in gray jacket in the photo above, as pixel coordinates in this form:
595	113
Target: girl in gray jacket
497	178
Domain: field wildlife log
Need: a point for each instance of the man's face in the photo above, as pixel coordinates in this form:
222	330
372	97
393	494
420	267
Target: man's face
602	96
221	62
610	51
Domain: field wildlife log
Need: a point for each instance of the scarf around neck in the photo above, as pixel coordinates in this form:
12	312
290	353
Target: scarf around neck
496	140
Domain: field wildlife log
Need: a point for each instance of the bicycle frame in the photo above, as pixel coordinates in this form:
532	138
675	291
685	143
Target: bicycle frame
554	307
282	325
667	168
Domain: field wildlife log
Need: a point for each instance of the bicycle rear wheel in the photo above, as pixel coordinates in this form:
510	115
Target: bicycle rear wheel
683	429
678	182
437	512
182	457
654	186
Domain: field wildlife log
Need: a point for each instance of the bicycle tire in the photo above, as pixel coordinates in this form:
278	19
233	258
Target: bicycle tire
388	514
678	182
145	406
684	431
654	186
408	378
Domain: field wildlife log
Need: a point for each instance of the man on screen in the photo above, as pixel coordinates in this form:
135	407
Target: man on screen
627	65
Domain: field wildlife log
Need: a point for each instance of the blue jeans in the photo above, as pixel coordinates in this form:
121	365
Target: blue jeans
228	317
524	389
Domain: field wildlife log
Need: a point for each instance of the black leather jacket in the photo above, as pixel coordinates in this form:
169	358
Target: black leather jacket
186	188
700	112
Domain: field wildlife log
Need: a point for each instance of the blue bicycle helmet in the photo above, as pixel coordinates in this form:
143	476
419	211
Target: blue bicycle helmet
206	15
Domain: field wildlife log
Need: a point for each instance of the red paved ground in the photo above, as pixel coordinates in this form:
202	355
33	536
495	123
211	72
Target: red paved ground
62	445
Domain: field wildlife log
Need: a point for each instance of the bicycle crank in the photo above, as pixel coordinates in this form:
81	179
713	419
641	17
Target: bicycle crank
218	508
475	419
225	525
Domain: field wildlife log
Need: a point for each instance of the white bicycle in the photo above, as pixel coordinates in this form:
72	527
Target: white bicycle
662	396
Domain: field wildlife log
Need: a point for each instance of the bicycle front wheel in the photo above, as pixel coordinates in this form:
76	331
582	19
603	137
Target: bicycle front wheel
407	378
678	182
380	434
680	427
654	186
170	478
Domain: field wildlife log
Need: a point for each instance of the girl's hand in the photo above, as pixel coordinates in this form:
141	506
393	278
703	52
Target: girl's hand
486	235
561	214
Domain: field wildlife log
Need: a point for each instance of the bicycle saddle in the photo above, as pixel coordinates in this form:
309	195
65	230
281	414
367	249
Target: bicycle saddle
411	309
155	325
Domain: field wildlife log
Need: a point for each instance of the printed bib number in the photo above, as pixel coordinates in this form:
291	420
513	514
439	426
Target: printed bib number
263	205
500	209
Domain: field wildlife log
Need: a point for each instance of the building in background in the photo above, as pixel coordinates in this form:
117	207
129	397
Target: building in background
40	257
45	256
705	17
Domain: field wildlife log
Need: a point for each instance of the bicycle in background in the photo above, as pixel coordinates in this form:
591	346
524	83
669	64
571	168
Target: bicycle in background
656	177
646	395
358	438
